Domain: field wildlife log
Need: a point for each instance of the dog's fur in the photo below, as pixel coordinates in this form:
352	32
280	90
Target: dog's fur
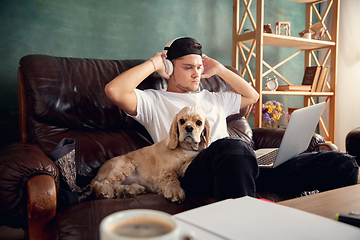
157	167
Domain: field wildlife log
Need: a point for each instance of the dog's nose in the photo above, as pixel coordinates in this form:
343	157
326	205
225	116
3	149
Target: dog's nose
189	128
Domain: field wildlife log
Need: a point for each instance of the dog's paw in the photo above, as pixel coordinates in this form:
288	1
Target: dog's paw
102	196
103	190
128	191
135	189
174	194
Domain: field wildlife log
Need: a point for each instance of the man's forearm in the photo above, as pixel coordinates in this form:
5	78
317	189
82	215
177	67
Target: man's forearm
121	89
127	81
241	86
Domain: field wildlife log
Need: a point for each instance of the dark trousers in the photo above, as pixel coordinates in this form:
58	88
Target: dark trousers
324	170
228	169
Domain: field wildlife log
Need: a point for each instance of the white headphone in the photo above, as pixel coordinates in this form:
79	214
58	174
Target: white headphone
169	68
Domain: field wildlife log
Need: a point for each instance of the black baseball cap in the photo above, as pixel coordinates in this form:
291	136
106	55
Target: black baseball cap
183	46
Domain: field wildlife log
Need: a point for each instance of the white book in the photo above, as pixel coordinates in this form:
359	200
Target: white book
250	218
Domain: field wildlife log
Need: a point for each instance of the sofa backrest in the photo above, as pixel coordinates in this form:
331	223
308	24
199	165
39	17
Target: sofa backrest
64	97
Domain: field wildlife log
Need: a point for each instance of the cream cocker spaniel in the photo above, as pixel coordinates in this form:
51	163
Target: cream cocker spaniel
156	168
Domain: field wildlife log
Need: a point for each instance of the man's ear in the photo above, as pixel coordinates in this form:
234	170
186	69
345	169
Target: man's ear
173	138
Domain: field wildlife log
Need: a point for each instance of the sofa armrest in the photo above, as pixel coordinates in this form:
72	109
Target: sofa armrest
41	207
272	137
352	143
19	162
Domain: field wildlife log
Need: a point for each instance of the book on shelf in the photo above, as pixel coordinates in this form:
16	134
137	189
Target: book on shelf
309	82
322	79
311	77
297	88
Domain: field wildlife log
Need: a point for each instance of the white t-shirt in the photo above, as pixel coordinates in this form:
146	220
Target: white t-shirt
156	110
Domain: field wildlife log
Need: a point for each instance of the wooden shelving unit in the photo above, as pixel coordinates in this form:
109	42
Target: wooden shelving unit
258	39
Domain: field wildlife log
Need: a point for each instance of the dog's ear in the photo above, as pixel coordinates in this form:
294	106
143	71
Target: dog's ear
173	138
205	138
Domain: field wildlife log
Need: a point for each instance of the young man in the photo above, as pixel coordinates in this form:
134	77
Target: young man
228	167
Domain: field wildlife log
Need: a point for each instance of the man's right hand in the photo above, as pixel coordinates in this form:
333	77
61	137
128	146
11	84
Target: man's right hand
158	60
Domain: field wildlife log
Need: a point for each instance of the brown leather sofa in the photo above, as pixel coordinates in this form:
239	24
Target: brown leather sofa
64	98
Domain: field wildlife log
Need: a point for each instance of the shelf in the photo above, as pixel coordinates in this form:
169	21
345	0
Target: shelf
243	54
285	41
295	93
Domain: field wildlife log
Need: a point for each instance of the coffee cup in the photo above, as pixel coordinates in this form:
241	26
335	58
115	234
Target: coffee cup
142	224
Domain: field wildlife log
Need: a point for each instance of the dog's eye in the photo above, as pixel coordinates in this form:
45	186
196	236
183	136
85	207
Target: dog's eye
198	122
182	121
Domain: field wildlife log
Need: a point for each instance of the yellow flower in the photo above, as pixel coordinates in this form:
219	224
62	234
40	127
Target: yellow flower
270	108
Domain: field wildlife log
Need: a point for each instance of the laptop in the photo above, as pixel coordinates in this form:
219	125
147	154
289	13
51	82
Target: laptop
296	139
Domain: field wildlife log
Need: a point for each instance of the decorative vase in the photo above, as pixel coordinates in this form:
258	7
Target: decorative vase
272	124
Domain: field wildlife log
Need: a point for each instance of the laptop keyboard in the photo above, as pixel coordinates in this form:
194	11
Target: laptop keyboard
268	158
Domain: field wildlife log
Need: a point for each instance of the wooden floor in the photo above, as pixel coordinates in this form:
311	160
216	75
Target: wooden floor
7	233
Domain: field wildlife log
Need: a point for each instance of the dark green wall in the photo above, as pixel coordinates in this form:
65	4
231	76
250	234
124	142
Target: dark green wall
115	29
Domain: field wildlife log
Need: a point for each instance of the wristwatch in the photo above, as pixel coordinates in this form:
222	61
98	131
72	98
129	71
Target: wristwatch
271	84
